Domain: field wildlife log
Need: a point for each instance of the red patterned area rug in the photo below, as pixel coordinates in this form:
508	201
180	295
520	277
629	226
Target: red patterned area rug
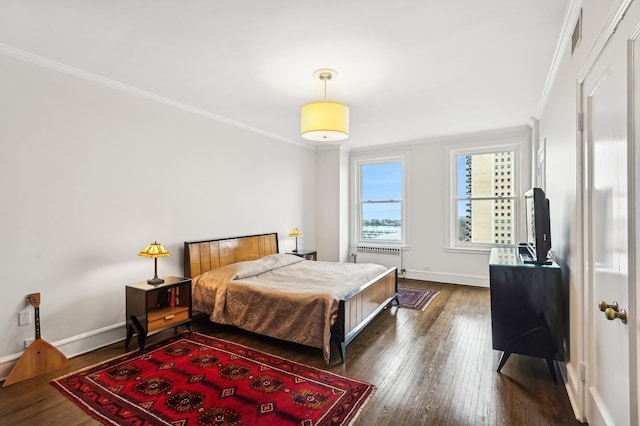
193	379
413	298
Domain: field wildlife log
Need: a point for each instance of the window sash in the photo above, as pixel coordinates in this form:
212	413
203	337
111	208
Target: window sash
489	232
380	235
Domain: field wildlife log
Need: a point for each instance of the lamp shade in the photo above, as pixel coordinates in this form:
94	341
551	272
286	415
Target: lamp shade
154	250
324	121
295	233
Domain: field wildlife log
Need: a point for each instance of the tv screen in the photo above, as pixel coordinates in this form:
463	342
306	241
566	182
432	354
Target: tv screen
538	225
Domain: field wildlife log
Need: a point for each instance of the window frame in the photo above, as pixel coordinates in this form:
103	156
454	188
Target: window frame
452	199
357	165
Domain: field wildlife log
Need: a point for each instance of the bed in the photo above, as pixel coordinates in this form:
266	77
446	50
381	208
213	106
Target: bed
227	277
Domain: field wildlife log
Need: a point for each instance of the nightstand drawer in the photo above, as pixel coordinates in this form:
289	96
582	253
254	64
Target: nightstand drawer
165	317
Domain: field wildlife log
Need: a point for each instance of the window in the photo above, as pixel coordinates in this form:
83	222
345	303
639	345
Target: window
380	201
484	197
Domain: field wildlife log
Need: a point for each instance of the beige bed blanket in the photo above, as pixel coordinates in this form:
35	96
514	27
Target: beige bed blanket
281	296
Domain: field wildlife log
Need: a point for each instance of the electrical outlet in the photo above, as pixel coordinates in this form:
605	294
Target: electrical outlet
28	342
24	317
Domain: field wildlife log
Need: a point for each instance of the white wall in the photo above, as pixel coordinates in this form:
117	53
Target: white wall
563	172
90	174
332	205
345	250
328	205
557	126
427	255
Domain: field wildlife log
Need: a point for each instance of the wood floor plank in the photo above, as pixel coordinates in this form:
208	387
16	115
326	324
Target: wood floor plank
431	367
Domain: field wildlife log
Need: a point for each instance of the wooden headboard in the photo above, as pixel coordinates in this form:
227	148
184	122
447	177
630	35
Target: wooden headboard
203	256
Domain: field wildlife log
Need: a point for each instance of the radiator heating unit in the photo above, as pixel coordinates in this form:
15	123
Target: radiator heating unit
385	256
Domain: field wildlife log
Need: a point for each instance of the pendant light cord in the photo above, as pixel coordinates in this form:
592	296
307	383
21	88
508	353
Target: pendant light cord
324	78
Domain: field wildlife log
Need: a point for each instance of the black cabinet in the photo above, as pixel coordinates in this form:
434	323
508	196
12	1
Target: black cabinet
528	312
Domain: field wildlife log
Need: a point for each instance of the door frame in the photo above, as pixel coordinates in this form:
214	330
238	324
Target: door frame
633	187
632	39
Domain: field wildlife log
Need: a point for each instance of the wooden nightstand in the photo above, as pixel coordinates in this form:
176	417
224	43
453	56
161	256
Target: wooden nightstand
307	254
153	308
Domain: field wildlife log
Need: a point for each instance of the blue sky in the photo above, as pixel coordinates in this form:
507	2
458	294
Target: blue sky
461	185
382	182
461	176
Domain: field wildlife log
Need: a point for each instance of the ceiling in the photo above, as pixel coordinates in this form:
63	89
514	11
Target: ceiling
408	69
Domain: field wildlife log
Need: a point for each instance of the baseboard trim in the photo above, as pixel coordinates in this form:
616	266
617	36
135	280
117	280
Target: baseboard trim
449	278
575	390
74	345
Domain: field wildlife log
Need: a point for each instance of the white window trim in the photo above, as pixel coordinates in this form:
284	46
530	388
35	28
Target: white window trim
356	164
518	146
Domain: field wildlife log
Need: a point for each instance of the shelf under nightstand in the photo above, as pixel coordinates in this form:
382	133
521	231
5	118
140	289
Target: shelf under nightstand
153	308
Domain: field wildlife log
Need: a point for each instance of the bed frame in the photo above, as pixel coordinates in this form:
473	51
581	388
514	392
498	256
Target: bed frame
355	310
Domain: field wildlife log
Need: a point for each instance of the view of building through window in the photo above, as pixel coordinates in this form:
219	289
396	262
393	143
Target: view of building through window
485	198
381	201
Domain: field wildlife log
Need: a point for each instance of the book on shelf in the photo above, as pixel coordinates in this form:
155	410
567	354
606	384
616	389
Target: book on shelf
163	298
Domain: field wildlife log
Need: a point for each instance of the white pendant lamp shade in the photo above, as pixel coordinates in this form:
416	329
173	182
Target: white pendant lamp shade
324	121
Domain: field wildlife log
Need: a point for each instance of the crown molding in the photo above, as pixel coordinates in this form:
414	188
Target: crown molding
570	18
482	135
616	14
113	84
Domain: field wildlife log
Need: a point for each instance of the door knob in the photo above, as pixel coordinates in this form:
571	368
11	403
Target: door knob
604	306
612	314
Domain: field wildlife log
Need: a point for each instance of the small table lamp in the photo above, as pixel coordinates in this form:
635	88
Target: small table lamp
155	251
296	233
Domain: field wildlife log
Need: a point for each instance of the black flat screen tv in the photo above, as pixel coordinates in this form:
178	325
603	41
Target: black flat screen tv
538	242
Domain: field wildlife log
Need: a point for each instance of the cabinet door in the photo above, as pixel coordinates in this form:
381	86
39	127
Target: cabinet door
523	299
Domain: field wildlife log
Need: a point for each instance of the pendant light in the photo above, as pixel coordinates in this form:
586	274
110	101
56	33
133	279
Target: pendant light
324	121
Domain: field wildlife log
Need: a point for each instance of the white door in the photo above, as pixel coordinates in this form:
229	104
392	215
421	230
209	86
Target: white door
611	397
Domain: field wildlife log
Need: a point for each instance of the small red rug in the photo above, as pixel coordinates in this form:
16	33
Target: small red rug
193	379
413	298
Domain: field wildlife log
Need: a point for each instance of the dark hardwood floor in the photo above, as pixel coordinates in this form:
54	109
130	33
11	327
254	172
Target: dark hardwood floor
434	367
